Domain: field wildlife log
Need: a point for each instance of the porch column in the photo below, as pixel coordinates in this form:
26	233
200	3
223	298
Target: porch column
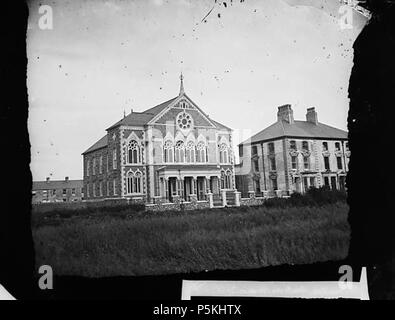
194	185
182	195
166	186
208	185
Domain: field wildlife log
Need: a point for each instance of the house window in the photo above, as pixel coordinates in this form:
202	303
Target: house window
306	163
114	187
134	182
347	148
107	157
273	164
201	152
325	146
94	189
168	151
87	190
256	165
292	145
254	150
339	163
223	153
64	192
134	154
337	146
241	151
73	191
100	188
190	152
114	159
274	184
294	162
305	145
101	164
179	152
94	166
88	167
271	147
326	163
54	192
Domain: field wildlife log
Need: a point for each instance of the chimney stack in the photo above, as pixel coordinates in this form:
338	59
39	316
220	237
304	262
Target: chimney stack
47	179
285	113
311	116
66	179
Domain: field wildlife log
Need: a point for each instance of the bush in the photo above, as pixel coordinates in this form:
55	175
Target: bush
313	197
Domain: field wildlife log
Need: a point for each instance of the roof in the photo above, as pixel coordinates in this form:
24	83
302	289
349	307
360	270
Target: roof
220	125
141	119
299	129
57	184
98	145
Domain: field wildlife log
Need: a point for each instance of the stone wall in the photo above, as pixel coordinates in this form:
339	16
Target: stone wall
177	205
252	201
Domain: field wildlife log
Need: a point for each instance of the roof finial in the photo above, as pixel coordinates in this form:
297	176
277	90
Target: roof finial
181	84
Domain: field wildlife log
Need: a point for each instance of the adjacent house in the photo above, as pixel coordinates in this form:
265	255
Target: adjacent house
57	190
292	156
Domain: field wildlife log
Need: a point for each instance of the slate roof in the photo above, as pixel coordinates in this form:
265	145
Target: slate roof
56	184
141	119
299	129
98	145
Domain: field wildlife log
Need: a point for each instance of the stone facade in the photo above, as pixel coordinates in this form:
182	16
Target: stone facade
291	156
169	151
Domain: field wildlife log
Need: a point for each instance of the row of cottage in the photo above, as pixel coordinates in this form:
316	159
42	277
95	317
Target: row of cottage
176	151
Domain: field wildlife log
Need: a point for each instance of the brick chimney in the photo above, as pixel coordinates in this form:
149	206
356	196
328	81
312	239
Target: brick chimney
47	179
66	179
311	115
285	113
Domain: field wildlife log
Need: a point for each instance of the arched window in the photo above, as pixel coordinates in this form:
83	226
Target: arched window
137	182
168	151
134	182
201	152
134	154
179	152
190	152
223	153
226	179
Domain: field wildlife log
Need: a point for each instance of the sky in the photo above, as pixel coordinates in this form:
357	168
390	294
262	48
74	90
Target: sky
103	58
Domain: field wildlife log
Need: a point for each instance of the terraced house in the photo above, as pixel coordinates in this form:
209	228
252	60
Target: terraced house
171	150
292	156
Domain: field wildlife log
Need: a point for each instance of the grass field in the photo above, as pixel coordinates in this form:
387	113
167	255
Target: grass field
232	238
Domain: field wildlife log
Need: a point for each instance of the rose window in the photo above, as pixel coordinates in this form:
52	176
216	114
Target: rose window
184	121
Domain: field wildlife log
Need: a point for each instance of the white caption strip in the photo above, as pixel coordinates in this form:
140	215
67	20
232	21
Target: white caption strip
278	289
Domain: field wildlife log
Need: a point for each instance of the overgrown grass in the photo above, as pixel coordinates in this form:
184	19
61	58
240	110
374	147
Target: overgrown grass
231	238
